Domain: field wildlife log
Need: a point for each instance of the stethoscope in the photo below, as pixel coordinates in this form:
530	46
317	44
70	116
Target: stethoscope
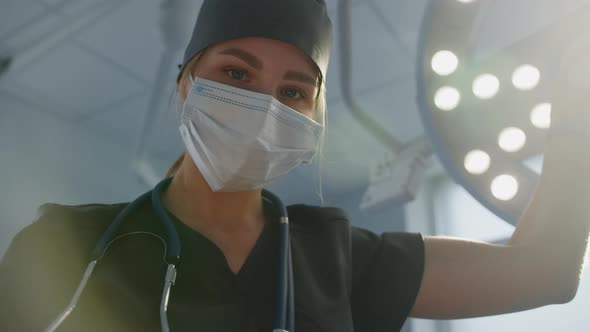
284	320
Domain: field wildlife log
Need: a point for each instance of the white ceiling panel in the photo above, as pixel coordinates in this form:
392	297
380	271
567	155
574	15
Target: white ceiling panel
74	7
54	2
35	102
121	122
350	147
405	18
349	150
377	58
124	122
77	80
332	4
30	34
130	37
506	22
394	106
163	139
17	13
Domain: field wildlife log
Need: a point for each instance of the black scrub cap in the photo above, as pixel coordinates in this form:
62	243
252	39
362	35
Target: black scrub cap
303	23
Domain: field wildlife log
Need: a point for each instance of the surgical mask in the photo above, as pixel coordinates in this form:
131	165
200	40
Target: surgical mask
242	140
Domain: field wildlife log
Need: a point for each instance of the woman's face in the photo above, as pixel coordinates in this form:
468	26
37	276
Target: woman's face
261	65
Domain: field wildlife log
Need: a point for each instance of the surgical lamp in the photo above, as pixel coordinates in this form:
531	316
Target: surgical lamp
487	117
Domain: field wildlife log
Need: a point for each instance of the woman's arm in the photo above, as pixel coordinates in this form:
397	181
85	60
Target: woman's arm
543	261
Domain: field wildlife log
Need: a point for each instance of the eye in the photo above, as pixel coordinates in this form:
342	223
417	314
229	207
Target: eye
293	93
236	74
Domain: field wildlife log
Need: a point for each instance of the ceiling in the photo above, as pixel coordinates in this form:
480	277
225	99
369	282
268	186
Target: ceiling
98	73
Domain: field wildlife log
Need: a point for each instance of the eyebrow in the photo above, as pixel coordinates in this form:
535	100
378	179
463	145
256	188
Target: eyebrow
247	57
300	77
256	63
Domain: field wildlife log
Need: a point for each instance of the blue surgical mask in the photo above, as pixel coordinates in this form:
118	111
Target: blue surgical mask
242	140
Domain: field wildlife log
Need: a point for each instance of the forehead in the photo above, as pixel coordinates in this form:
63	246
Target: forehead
270	51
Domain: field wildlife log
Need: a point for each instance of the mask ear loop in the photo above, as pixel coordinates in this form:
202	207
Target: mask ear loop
179	105
322	118
320	163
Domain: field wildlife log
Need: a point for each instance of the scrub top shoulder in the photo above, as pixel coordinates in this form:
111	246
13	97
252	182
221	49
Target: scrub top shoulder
346	278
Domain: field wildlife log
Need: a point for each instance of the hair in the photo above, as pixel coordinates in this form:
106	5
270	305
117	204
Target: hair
181	80
319	116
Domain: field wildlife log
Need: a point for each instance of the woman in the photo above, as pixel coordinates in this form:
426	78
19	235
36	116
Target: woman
252	95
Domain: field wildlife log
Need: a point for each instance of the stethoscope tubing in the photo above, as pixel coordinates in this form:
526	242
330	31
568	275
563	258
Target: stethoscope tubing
285	296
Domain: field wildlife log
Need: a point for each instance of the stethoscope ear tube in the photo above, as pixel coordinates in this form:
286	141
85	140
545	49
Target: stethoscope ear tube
172	241
291	294
109	234
168	282
285	299
282	279
67	311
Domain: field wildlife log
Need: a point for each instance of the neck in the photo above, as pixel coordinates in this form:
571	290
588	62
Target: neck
190	198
